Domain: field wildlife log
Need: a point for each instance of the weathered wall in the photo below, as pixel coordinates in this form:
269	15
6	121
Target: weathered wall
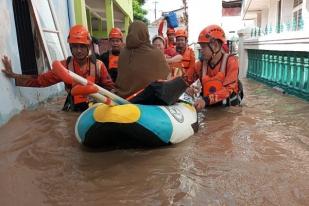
14	99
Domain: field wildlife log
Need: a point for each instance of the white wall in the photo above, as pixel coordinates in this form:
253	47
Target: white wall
14	99
264	18
273	13
202	14
286	11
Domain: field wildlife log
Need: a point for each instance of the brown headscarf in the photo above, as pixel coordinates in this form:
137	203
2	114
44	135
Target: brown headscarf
139	62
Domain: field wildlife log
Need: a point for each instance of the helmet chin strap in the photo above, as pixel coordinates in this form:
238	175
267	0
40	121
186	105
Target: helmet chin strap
214	53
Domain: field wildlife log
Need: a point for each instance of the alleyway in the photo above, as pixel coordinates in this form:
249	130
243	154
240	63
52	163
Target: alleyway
257	154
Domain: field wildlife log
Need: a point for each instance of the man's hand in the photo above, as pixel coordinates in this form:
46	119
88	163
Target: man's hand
175	59
192	91
8	67
199	104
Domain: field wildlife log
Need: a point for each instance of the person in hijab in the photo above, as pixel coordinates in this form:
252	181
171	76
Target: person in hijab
140	63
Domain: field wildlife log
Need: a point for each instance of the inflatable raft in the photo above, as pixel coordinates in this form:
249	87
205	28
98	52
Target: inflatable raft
135	125
117	122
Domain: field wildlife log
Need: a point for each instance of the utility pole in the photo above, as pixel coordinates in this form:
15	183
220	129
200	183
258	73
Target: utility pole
155	10
185	5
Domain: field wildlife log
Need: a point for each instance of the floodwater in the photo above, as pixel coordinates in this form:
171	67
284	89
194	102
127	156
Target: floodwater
257	154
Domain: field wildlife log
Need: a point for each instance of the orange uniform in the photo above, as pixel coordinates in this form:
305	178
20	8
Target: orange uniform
219	82
188	59
111	62
95	73
50	78
167	43
187	63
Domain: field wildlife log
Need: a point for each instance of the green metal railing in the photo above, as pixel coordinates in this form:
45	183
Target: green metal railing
285	69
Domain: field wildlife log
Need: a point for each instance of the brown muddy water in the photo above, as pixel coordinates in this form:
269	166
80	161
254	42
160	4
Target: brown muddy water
257	154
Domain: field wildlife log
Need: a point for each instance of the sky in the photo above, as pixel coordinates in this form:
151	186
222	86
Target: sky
162	6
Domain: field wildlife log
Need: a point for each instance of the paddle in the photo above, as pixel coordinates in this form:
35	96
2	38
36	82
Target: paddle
165	92
101	94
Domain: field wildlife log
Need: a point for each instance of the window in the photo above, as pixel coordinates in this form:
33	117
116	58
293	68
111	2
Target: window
297	15
25	37
297	2
38	36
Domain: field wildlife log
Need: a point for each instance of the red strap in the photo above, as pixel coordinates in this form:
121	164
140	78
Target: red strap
134	95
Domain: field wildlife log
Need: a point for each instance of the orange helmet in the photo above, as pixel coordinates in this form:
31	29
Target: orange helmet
211	32
79	35
170	31
115	33
181	33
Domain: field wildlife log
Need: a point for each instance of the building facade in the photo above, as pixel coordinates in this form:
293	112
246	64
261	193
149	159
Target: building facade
274	45
102	15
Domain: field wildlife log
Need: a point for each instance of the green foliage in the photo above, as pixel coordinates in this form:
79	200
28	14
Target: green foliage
138	12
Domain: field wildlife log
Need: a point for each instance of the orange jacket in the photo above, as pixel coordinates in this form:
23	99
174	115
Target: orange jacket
167	43
49	78
113	61
187	63
229	82
188	59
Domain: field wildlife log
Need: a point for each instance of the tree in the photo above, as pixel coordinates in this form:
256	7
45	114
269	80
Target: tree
138	12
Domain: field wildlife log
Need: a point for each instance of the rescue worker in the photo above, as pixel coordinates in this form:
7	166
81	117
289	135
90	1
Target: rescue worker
170	38
80	63
103	45
218	71
170	35
188	56
110	58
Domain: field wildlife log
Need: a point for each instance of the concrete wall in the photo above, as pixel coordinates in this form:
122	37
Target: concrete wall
14	99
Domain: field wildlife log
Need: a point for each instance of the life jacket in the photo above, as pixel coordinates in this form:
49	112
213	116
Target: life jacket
213	84
94	76
168	44
186	58
113	62
179	69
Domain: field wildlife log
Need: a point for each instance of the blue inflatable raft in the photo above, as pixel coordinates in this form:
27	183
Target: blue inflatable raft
135	125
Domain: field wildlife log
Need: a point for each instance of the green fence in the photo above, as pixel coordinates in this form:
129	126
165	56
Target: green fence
285	69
